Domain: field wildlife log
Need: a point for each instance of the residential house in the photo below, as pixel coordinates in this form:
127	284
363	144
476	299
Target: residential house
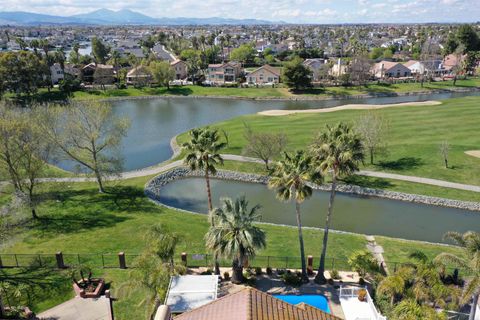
139	75
181	69
72	70
56	73
162	53
315	65
252	304
105	75
338	69
389	69
223	73
452	62
415	66
263	75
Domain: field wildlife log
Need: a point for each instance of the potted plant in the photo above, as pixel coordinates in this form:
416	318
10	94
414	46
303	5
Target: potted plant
362	295
87	287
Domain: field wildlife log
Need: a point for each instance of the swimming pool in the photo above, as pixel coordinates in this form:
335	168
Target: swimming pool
314	300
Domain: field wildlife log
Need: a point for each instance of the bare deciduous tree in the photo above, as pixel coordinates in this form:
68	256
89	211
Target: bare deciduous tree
372	127
24	153
89	134
264	146
444	149
360	70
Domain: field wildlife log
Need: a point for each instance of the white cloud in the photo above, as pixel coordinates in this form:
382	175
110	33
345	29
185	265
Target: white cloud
299	11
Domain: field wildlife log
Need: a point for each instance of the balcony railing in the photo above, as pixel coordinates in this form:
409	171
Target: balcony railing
350	292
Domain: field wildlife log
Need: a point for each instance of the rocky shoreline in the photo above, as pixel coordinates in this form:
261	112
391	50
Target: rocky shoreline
153	188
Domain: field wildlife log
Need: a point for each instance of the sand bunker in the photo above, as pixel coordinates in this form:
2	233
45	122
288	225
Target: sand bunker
473	153
348	107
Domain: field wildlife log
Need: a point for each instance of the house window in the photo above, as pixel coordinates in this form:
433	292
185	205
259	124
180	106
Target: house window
220	76
270	79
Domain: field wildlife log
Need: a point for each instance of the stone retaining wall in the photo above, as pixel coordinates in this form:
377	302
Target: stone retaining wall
153	188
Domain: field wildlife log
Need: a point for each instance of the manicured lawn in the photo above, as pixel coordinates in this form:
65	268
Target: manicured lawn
75	218
267	92
413	139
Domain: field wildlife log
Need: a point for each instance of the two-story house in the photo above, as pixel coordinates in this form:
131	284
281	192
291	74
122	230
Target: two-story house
263	75
223	73
181	69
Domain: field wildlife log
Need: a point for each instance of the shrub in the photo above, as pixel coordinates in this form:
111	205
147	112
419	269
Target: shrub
334	274
258	271
292	279
226	276
281	272
207	272
269	271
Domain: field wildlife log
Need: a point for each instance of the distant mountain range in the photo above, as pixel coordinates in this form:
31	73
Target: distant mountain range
110	17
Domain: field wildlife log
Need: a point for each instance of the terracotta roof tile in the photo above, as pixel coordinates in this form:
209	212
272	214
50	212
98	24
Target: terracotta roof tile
252	304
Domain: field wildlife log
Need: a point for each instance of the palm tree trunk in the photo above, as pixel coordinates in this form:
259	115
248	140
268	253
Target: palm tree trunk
473	309
320	278
237	268
209	191
300	240
210	207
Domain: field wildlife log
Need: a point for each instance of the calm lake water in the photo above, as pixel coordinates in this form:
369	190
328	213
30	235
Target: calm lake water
352	213
155	121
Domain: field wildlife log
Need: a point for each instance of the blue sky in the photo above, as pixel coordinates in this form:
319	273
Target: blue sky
296	11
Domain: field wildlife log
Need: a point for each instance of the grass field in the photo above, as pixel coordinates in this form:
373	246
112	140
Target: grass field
75	218
267	92
413	138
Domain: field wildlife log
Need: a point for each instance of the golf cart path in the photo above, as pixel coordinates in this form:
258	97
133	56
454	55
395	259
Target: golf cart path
170	165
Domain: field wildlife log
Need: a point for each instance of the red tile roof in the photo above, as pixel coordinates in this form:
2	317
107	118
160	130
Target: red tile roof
252	304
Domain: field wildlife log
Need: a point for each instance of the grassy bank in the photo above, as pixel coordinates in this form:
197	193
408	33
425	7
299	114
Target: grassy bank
279	92
75	218
413	138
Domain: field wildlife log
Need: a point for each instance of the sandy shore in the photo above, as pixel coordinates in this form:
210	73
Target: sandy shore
473	153
348	107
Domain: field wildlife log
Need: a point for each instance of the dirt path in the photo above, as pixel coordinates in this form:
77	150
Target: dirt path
348	107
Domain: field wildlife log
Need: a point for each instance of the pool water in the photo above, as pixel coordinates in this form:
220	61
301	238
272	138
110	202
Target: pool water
314	300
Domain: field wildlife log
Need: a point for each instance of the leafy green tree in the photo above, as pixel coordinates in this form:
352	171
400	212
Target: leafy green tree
203	153
244	53
290	178
232	234
21	73
89	134
74	56
100	50
296	75
469	261
162	73
193	60
337	151
468	37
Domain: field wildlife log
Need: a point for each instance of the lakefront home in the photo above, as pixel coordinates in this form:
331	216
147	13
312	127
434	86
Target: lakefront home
389	69
315	65
139	76
266	74
181	69
223	73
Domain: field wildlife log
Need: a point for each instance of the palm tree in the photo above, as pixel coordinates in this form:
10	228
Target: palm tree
203	154
234	235
338	151
469	261
153	269
392	286
290	178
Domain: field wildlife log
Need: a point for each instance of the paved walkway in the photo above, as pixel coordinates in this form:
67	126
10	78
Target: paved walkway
79	309
164	166
433	182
